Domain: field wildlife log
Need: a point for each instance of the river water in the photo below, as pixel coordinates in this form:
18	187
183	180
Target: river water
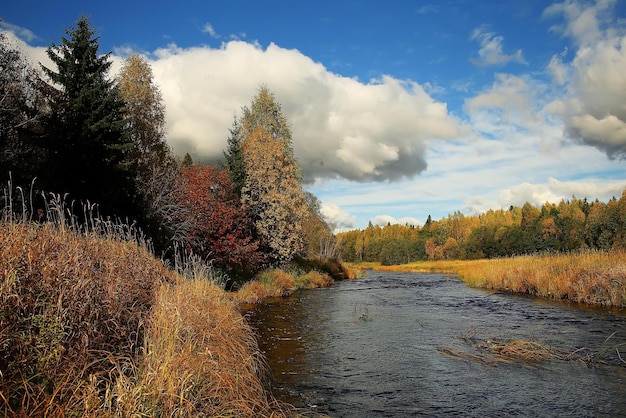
400	344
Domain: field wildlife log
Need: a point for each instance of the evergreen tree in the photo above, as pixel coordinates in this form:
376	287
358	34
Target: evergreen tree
234	155
86	140
187	161
21	108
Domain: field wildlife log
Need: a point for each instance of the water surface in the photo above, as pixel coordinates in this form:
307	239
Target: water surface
399	344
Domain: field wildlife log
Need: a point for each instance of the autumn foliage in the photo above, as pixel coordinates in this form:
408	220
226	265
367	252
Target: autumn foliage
221	231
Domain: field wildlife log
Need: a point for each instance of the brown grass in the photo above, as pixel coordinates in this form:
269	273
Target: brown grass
593	277
279	283
313	280
98	327
201	359
492	352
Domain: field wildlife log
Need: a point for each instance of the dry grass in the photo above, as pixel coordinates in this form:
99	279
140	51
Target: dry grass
279	283
313	280
593	277
492	352
201	359
98	327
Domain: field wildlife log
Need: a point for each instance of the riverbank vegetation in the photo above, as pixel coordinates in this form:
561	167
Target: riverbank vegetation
99	221
592	277
95	326
283	282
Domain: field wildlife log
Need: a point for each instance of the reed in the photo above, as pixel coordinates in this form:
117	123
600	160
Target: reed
591	277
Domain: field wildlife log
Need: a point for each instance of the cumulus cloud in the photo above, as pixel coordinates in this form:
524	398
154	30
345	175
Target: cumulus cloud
593	110
491	50
336	216
583	21
342	127
553	191
383	220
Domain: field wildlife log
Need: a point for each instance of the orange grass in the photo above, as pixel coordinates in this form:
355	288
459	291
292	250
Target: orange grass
98	327
279	283
592	277
313	280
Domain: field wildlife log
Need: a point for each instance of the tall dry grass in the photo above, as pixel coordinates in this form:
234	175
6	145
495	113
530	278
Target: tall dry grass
201	360
592	277
279	283
98	327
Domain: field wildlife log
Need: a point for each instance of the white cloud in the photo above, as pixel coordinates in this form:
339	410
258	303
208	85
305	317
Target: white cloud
336	216
383	220
341	127
491	50
511	103
24	34
208	28
582	20
593	110
34	55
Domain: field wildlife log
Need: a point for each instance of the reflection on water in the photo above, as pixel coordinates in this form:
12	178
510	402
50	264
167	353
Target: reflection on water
375	347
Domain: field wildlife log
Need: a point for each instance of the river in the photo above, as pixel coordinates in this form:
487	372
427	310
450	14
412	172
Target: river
400	344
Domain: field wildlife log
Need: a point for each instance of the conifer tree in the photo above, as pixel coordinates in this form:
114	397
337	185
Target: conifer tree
86	139
21	108
234	155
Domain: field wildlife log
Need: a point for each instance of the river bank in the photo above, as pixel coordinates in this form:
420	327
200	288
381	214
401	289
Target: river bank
99	327
592	277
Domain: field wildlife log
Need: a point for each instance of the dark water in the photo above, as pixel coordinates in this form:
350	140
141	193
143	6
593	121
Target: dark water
414	345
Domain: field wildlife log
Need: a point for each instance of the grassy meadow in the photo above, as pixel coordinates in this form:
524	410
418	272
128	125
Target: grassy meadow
592	277
98	327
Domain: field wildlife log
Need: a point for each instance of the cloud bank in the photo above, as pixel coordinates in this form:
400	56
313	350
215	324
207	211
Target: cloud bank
342	127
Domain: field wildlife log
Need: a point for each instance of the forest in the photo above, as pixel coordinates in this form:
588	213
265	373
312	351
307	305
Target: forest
569	226
96	145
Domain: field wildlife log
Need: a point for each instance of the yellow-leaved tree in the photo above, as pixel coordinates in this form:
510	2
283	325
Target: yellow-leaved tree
271	193
156	170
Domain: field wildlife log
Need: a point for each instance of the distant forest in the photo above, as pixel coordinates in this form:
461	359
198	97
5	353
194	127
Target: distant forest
571	225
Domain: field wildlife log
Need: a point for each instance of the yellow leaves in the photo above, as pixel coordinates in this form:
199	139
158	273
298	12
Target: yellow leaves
273	194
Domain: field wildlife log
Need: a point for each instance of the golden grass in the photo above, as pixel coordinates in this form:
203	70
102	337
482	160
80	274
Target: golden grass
492	353
593	277
98	327
279	283
201	359
313	280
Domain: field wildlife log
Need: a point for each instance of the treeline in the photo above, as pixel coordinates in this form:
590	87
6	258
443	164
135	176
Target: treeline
99	145
571	225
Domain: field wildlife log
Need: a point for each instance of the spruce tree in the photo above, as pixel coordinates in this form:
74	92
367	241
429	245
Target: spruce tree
234	155
86	140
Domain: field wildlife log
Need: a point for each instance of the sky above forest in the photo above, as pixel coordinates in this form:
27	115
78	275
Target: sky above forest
398	109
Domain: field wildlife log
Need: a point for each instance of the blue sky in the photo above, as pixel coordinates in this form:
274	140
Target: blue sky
398	109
